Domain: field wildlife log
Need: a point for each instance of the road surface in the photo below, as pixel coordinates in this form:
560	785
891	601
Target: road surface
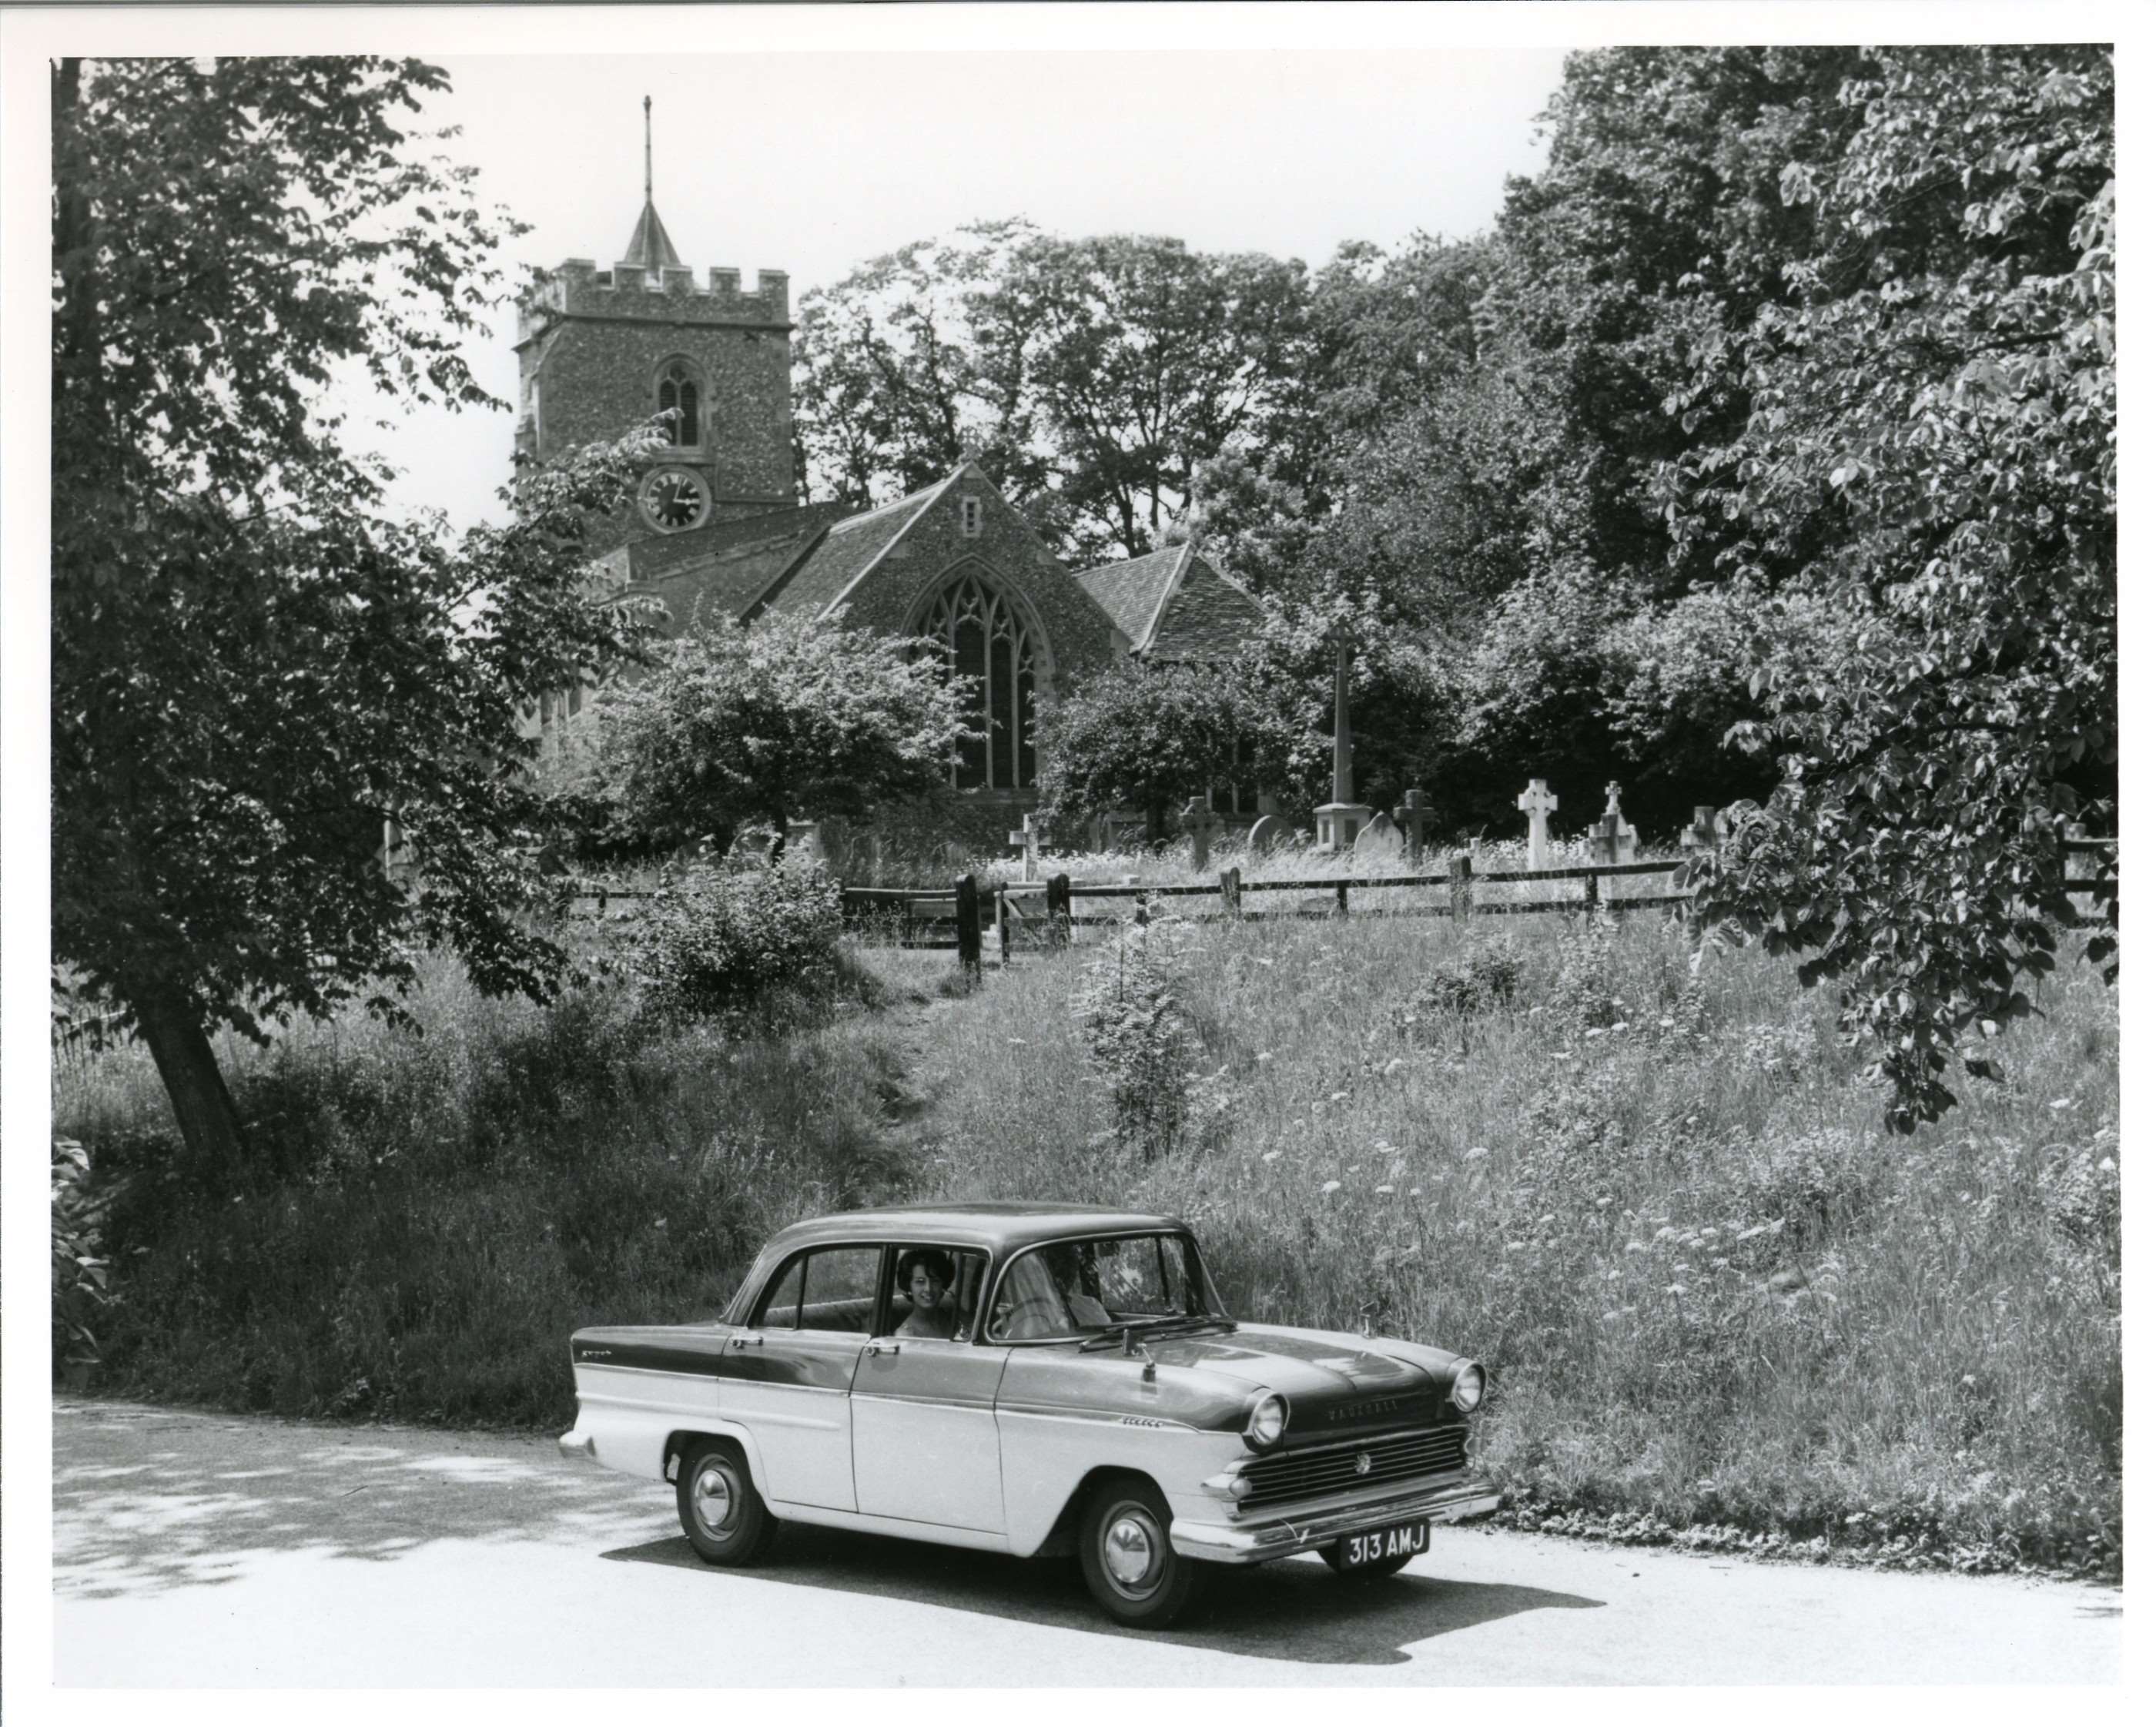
191	1548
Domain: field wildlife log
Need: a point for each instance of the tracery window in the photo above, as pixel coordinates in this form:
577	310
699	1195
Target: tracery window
677	396
984	638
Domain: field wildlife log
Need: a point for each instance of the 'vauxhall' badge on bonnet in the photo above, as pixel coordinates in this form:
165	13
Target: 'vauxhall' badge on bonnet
1361	1463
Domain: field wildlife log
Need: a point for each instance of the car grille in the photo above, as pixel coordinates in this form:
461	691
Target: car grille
1312	1474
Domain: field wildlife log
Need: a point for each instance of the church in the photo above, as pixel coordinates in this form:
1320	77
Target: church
716	526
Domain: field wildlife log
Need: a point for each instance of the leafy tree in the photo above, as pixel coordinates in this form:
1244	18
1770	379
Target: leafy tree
1092	376
255	665
1931	450
1150	737
786	718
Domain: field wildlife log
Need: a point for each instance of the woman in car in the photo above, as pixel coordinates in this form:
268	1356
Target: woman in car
924	1274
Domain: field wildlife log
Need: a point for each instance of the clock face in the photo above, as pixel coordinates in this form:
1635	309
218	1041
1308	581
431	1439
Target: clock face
673	499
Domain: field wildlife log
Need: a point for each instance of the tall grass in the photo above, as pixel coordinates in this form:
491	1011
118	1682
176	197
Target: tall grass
1657	1200
1644	1183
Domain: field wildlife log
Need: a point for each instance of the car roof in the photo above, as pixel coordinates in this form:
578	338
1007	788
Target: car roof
1000	1226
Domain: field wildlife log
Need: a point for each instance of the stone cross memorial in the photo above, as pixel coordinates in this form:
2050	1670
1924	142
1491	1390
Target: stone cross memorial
1413	810
1615	839
1537	801
1340	820
1201	824
1029	845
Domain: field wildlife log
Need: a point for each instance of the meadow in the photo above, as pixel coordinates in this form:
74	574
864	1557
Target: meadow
1634	1172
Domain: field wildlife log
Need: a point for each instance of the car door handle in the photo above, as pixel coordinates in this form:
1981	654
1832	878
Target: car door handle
749	1339
883	1349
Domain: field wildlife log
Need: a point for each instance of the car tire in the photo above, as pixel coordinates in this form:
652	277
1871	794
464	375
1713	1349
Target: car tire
1138	1578
722	1514
1363	1574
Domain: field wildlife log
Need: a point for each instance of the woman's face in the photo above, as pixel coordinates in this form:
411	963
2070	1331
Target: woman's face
926	1288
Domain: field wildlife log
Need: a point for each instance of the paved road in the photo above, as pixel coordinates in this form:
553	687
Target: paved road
205	1549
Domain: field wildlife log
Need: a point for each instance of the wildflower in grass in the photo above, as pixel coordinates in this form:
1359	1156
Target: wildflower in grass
1264	1055
1330	1187
1386	1188
1515	1246
1393	1066
1666	1232
1019	1041
1605	1203
1478	1151
1339	1097
1634	1247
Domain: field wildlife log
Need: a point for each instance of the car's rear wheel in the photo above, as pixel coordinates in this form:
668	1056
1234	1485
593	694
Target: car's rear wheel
722	1514
1134	1572
1383	1568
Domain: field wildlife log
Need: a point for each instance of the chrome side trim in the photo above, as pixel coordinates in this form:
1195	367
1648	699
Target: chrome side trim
986	1406
943	1535
1046	1411
1276	1537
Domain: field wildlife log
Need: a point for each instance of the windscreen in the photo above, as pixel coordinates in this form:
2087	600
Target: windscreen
1081	1288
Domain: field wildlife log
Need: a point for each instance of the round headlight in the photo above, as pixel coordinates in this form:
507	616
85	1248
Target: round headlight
1467	1386
1268	1421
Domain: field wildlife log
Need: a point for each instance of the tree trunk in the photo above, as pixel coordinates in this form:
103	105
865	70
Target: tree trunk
208	1124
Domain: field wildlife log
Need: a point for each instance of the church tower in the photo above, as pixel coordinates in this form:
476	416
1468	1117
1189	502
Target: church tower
599	351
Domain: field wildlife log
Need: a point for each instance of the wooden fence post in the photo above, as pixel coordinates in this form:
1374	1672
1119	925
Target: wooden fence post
1340	895
1594	892
1059	910
1463	887
969	927
1231	893
1003	925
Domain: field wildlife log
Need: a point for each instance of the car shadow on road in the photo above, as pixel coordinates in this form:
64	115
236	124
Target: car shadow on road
1293	1609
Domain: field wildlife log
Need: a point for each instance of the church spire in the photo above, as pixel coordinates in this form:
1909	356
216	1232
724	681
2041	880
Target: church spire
649	247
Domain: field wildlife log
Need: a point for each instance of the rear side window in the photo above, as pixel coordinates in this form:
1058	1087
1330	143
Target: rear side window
824	1289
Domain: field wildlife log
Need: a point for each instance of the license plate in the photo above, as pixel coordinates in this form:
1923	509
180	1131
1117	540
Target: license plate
1379	1545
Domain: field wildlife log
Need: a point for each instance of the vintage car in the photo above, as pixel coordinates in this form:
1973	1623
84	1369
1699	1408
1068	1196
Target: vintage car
1031	1379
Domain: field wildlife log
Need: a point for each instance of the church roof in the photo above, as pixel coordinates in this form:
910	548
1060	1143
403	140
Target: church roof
725	567
848	552
649	247
1172	604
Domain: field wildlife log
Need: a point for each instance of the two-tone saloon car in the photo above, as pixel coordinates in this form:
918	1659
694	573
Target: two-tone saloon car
1031	1379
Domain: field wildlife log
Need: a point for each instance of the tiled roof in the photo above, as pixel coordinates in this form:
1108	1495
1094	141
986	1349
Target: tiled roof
846	553
723	567
1130	592
1208	617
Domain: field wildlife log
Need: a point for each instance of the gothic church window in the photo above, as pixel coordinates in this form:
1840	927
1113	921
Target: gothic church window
985	640
677	396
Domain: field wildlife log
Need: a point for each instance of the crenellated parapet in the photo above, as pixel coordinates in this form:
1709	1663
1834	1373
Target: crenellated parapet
580	289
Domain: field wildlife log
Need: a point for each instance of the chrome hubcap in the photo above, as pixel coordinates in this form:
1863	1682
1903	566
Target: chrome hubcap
714	1499
1131	1550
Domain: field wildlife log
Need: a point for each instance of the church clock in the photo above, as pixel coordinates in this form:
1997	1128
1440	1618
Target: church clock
673	499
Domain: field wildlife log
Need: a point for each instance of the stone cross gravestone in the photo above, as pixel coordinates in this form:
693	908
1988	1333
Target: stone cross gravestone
1029	845
1379	842
1615	839
1408	817
1537	801
1201	824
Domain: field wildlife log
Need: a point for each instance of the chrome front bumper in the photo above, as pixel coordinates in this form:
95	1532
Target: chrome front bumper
1274	1537
577	1444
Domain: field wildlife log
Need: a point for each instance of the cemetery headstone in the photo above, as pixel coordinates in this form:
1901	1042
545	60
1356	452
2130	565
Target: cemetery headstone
1410	817
1201	824
804	844
1269	833
1029	845
1379	842
752	847
1537	801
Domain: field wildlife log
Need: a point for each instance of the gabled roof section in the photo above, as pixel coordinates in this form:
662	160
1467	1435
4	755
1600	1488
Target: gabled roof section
1204	615
849	552
651	247
1131	592
1172	604
723	568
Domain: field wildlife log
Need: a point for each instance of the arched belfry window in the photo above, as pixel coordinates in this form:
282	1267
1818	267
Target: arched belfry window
677	396
985	638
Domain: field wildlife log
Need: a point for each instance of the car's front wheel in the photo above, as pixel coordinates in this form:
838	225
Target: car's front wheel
722	1514
1135	1576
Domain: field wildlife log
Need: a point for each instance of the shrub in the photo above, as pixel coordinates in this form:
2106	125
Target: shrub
1139	1038
80	1297
717	942
1479	981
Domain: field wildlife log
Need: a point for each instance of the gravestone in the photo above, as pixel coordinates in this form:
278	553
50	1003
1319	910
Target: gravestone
1537	801
1269	833
1699	835
1408	817
1029	845
1379	843
1201	824
1613	839
804	844
752	847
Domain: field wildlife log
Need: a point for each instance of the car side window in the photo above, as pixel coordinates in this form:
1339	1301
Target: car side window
780	1309
935	1291
841	1290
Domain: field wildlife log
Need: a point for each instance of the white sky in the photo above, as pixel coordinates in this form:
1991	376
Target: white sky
812	163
